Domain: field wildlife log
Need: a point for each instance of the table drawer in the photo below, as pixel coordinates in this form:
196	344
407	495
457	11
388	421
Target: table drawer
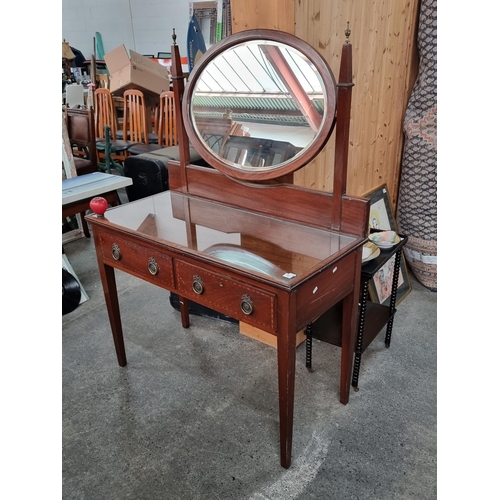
226	295
138	260
316	295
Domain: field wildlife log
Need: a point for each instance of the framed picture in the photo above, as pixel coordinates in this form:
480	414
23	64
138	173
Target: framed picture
380	286
382	218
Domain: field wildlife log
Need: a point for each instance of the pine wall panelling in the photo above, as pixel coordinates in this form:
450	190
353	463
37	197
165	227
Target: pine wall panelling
252	14
384	59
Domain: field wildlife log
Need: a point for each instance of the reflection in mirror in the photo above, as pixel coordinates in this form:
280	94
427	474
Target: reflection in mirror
258	105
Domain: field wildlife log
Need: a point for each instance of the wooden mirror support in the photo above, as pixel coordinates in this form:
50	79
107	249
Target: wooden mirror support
178	87
259	189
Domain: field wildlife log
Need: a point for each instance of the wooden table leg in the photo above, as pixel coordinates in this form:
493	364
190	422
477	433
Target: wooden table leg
286	387
349	330
111	296
184	309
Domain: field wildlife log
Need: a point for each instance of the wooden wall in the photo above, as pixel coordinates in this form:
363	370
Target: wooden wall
385	62
265	14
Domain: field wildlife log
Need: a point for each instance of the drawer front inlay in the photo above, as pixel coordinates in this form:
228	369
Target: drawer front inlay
226	295
139	260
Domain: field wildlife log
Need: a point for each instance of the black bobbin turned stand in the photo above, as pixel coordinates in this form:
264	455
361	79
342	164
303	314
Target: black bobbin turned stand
372	317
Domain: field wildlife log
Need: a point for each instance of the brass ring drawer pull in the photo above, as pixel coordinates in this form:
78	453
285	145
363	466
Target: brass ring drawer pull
246	305
153	266
115	252
197	285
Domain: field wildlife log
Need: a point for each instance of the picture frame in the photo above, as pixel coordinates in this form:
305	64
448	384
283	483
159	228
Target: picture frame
382	218
380	286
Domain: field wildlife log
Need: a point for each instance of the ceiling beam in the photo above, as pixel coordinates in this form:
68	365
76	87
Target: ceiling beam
299	96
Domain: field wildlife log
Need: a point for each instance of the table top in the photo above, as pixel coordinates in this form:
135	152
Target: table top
89	185
271	249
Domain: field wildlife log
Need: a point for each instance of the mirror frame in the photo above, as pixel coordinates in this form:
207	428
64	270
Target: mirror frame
298	161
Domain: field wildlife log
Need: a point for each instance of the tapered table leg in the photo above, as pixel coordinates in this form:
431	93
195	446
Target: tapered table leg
286	387
346	356
111	298
184	309
350	309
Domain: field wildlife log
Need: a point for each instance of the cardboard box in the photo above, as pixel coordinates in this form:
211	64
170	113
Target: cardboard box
136	72
262	336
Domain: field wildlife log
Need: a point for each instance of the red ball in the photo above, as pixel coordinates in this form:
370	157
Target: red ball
99	205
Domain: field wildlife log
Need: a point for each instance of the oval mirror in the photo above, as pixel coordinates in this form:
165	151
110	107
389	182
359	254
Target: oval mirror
260	104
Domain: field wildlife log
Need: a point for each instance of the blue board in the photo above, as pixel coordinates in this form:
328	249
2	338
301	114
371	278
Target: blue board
195	42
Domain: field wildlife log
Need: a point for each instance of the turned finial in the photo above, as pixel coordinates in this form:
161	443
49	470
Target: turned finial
347	33
174	36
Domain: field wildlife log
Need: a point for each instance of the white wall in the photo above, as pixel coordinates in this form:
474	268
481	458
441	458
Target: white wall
141	25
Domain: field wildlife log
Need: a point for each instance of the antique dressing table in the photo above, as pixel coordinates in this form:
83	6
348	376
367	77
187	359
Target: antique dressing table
237	236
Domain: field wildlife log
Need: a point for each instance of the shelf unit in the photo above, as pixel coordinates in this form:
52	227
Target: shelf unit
372	317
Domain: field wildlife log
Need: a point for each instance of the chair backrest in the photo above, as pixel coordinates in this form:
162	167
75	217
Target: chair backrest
74	95
81	131
105	113
215	131
134	117
256	152
155	117
167	128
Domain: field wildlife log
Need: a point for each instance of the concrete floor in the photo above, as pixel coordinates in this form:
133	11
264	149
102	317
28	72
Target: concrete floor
194	415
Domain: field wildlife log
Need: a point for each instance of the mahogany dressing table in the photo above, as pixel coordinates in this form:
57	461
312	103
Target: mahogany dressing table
235	236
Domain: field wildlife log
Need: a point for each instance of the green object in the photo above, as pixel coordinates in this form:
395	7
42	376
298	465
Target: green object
99	47
109	164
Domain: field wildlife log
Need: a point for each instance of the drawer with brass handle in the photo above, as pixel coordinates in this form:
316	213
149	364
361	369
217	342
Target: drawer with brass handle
139	260
227	295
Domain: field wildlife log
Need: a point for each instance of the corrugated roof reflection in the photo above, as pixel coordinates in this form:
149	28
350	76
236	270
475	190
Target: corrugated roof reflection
245	84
